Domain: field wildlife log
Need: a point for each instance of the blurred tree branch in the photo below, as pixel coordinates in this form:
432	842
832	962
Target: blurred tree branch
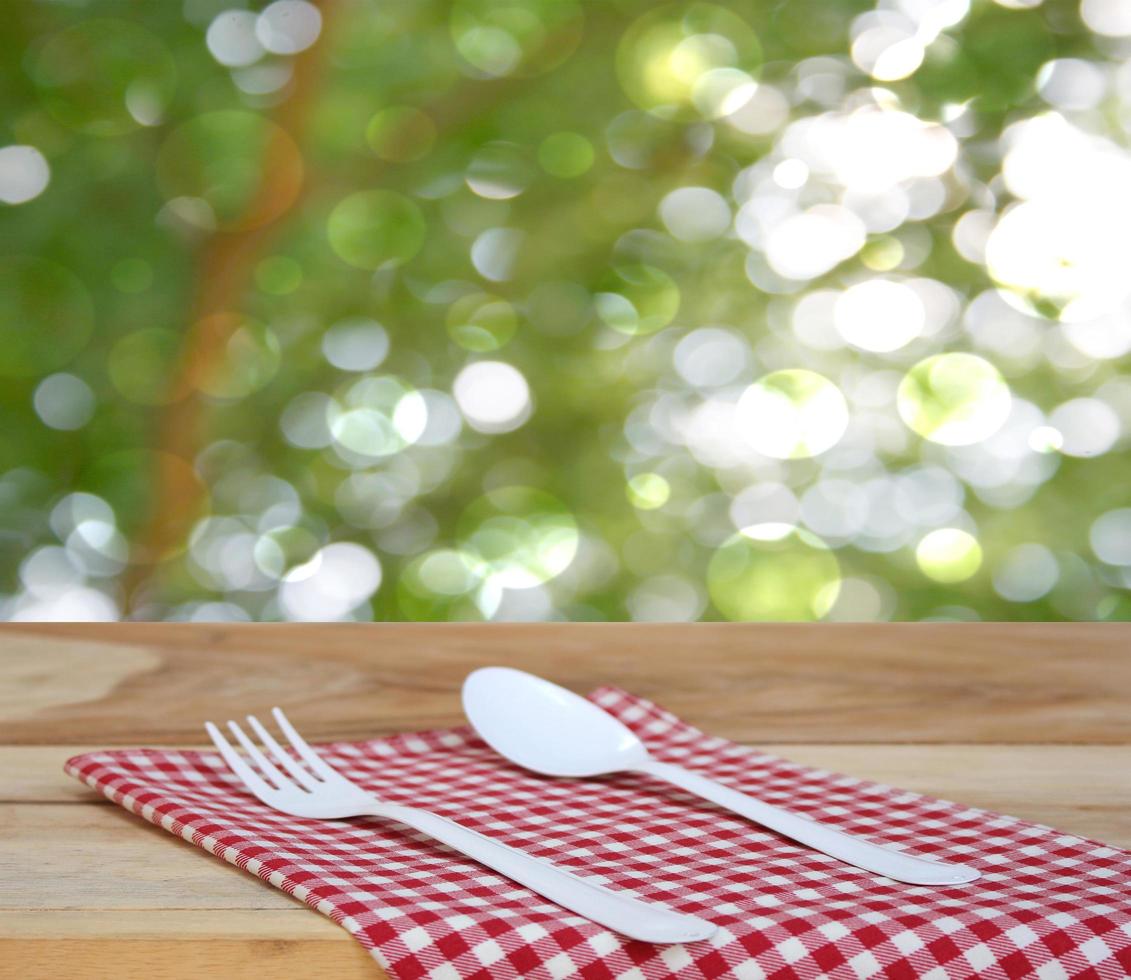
225	269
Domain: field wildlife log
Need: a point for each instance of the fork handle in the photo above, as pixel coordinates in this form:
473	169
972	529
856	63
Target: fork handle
616	910
849	848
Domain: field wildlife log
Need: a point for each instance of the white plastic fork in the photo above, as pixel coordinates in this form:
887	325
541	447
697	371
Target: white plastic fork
321	792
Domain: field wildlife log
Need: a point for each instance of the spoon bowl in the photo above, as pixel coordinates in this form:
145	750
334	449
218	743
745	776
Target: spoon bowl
546	728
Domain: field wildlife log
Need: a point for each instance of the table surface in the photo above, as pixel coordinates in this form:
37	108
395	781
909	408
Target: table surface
1031	719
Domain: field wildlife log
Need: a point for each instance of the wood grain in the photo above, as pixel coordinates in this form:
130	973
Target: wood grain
1033	720
103	857
154	945
929	682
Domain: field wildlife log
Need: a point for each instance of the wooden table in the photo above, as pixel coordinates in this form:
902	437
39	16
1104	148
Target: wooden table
1032	719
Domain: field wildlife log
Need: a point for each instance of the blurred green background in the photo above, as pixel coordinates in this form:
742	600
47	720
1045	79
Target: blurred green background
542	309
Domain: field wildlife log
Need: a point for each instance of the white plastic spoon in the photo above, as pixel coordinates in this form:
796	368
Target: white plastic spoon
553	731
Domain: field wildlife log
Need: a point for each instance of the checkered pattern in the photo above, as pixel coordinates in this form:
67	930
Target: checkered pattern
1048	906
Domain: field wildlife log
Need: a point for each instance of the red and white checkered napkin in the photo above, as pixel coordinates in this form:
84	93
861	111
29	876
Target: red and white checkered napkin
1048	904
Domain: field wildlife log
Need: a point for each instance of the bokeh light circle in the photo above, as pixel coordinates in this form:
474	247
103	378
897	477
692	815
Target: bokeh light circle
648	491
1108	18
565	154
954	399
773	571
24	174
252	355
288	26
792	414
495	252
305	421
1087	427
376	229
1058	259
518	537
446	572
639	141
1026	573
637	299
666	599
64	402
283	548
218	158
493	396
231	39
710	356
498	38
948	555
375	417
105	77
1110	536
499	171
689	61
695	214
810	243
481	322
880	315
46	316
338	579
437	585
355	344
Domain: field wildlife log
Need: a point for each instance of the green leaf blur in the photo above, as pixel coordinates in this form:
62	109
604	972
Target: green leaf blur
552	309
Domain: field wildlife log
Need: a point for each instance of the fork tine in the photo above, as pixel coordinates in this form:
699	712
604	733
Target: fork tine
282	756
323	769
266	766
251	779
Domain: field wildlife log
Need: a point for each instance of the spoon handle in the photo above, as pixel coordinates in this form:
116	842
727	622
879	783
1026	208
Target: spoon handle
849	848
614	909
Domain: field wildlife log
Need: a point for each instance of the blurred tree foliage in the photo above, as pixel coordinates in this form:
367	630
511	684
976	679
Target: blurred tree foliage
556	309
